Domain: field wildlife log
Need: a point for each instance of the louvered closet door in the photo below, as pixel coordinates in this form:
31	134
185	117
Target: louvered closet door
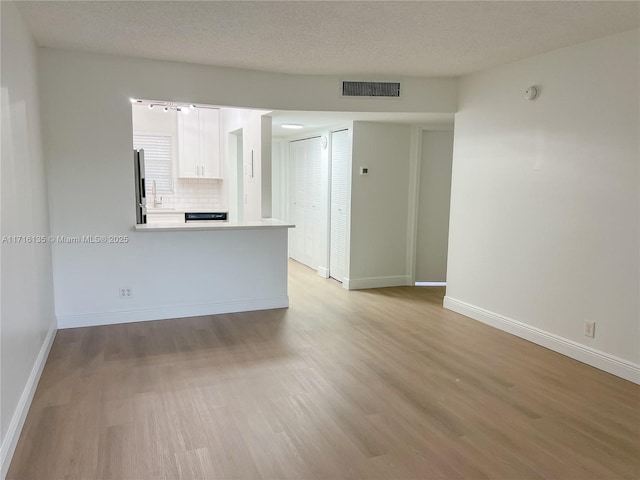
304	177
294	233
340	191
313	150
317	229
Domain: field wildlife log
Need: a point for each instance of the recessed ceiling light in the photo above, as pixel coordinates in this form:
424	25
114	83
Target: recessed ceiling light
292	126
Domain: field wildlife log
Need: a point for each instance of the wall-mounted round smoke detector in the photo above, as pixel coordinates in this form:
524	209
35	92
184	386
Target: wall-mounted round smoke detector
531	93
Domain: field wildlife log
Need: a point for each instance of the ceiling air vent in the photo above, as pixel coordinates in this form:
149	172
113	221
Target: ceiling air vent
370	89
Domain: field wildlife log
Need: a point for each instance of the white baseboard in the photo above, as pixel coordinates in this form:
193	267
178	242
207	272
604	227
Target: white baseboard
323	272
583	353
376	282
171	311
431	284
20	414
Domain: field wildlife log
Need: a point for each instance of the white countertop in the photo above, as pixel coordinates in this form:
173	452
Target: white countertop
213	225
164	211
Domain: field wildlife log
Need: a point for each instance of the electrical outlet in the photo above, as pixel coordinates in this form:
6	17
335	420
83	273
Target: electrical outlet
589	329
126	292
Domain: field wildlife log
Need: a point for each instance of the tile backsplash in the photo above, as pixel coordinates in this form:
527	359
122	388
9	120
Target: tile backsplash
191	194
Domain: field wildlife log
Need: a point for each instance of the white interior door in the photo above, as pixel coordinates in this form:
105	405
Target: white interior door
304	195
340	191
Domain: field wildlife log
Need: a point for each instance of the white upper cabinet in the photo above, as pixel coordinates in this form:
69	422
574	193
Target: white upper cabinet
210	143
189	145
199	144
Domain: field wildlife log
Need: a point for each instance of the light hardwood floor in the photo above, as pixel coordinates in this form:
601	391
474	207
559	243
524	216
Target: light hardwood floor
371	384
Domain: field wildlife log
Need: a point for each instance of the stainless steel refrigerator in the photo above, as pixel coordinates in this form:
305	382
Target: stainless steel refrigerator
141	195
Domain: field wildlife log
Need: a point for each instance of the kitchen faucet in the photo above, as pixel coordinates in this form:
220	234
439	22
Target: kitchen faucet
156	203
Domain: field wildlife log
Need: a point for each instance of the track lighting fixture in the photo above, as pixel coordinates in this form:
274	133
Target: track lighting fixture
183	108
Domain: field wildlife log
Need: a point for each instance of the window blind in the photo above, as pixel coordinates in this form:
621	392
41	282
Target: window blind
157	160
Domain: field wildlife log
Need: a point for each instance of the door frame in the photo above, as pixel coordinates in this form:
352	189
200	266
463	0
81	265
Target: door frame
415	160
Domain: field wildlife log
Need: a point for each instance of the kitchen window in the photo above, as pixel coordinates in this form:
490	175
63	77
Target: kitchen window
158	164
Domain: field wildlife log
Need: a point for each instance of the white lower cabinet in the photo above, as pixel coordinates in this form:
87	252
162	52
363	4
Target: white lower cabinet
167	217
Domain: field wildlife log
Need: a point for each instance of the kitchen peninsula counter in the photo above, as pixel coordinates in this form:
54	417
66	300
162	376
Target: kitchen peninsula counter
191	269
265	223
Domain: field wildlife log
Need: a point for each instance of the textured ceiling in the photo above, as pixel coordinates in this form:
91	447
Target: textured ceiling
343	38
312	121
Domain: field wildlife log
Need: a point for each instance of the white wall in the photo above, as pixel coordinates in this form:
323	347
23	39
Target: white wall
234	120
433	206
256	139
379	205
175	274
153	79
89	156
544	225
266	169
27	323
256	148
256	136
90	177
279	178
